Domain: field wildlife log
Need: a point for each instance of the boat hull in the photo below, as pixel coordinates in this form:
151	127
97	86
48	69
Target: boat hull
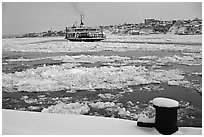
85	39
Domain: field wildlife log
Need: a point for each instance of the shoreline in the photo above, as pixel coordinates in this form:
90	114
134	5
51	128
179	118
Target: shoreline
144	39
147	42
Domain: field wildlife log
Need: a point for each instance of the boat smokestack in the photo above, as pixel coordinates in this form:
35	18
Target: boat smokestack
81	24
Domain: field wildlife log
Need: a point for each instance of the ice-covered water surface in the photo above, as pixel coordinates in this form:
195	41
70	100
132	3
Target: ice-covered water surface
158	38
55	78
64	46
103	79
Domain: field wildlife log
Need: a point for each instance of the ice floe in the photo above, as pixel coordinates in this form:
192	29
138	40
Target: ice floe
83	108
55	78
25	59
102	105
59	46
31	100
107	96
145	119
89	58
184	60
33	108
72	108
149	57
150	88
197	73
157	38
114	108
176	83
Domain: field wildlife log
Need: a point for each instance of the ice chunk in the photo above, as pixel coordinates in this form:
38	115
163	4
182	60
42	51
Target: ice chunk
35	82
72	108
128	90
166	75
149	57
77	71
107	96
152	88
31	100
197	73
145	119
32	85
71	91
25	59
123	112
130	103
24	97
33	108
184	60
55	78
89	58
176	83
102	105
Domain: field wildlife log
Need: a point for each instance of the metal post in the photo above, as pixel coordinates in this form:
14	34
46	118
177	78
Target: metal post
166	115
66	30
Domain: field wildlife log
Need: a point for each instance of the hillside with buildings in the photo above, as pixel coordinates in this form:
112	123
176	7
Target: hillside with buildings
149	26
153	26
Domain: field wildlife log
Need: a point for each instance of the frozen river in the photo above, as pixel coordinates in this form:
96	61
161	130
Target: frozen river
103	78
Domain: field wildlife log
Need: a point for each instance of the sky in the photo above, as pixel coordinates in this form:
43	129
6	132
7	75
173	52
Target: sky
25	17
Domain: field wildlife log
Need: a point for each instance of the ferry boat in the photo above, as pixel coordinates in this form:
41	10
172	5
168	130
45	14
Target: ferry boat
82	33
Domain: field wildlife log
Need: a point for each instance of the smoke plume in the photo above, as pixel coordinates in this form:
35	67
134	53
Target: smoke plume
77	9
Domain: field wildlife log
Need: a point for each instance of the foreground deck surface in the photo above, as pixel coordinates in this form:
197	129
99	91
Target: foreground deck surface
35	123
